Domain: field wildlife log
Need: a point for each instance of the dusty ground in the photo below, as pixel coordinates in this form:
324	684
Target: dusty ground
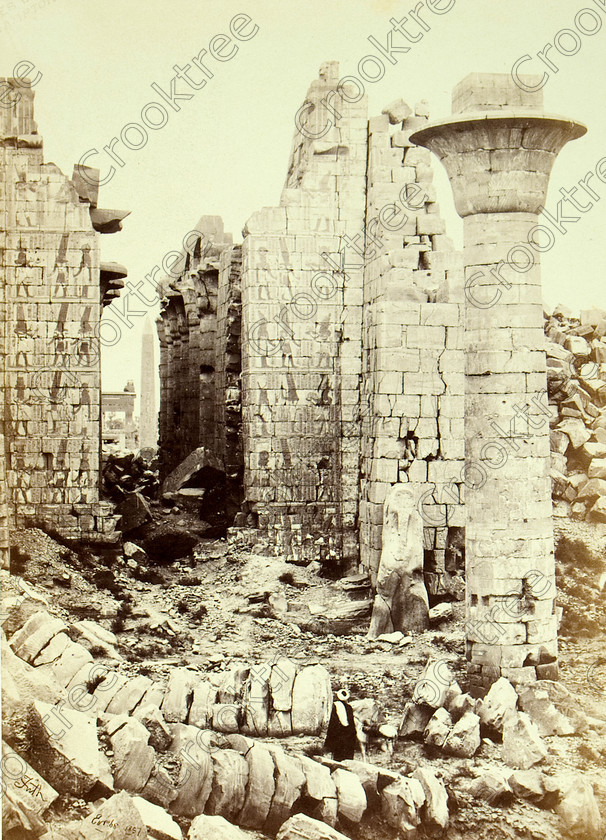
197	611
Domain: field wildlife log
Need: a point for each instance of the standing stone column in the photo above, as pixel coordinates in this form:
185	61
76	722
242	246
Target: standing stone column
498	155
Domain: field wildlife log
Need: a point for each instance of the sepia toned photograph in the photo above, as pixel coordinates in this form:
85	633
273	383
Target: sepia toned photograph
303	419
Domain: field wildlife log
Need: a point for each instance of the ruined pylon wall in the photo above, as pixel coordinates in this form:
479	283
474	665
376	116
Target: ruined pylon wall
187	329
412	426
52	310
302	332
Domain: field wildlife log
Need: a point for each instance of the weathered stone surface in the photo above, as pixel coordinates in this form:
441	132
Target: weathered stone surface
35	634
230	776
116	819
401	599
401	803
281	683
438	728
501	698
492	787
125	700
320	786
435	809
206	827
397	111
94	634
19	602
152	719
259	789
158	823
179	693
201	710
527	784
464	738
579	810
522	745
432	686
159	788
194	784
66	749
302	827
107	689
351	796
414	720
256	700
26	795
52	650
135	511
368	774
290	779
133	758
72	660
226	718
311	700
535	701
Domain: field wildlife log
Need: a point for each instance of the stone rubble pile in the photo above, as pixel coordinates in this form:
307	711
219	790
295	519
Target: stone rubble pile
576	381
125	474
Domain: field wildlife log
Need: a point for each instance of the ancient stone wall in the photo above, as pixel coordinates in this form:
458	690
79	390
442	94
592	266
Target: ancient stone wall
52	299
302	326
412	422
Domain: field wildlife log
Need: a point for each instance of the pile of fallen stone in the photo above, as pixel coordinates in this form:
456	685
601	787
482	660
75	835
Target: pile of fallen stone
576	380
451	722
130	473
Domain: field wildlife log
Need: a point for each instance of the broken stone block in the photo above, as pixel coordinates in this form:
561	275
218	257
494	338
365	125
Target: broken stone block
351	797
94	635
501	699
320	786
397	111
152	719
206	827
260	788
290	779
72	660
195	461
438	728
194	785
256	700
230	776
492	787
52	650
432	686
26	795
311	700
133	758
535	701
522	745
125	700
226	718
67	749
201	709
527	784
302	827
281	683
159	788
415	720
158	823
597	512
19	602
401	803
579	811
135	511
178	695
35	634
435	809
401	601
107	689
132	551
116	819
464	738
575	430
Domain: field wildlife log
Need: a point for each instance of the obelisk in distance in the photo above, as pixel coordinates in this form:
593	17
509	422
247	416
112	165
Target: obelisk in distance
148	416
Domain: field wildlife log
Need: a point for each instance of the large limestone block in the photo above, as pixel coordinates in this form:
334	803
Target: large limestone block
152	719
67	749
302	827
195	461
207	827
52	650
133	758
230	776
579	811
256	700
194	785
158	823
26	794
401	601
290	780
19	602
351	796
536	702
401	802
179	693
72	660
35	634
522	744
501	699
201	710
311	700
260	788
432	686
116	819
437	730
281	683
435	810
464	738
125	700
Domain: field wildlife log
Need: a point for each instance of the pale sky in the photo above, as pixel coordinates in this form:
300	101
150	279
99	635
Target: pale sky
226	151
